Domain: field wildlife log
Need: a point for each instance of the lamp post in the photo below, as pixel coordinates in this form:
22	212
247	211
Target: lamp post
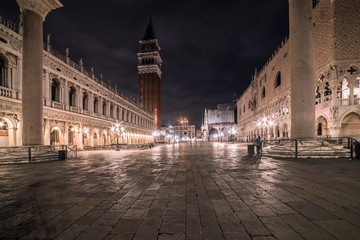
232	132
156	134
118	131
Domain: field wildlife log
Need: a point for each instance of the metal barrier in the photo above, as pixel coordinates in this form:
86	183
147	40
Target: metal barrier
340	147
39	153
28	154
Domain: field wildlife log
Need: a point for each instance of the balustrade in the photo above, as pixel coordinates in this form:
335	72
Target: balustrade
343	102
7	92
57	105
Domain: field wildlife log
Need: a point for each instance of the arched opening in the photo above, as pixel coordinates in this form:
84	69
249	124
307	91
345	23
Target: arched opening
72	96
55	90
322	127
85	138
55	136
277	80
111	110
71	135
4	133
2	73
96	139
85	101
104	109
213	135
350	125
277	132
96	105
117	113
263	92
319	129
285	132
104	139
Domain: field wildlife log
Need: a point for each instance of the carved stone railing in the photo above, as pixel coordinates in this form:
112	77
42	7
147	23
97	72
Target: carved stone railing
10	93
57	105
9	24
74	109
343	102
357	101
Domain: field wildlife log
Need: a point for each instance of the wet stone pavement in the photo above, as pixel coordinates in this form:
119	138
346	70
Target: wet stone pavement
198	191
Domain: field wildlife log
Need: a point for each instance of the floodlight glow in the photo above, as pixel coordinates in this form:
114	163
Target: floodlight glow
112	128
259	124
1	124
117	125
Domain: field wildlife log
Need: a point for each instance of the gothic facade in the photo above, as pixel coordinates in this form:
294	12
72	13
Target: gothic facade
79	108
264	107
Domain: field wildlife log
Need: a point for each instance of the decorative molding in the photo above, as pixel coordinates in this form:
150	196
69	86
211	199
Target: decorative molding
41	7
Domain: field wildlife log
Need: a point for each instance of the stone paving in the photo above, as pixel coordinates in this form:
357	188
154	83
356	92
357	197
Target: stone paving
185	191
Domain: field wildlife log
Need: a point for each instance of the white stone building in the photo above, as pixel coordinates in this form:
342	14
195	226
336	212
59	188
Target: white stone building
219	124
79	108
264	107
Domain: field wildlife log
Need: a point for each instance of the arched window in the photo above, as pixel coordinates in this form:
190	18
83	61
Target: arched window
55	90
96	105
278	79
111	110
123	115
117	113
263	92
85	101
2	73
72	96
104	108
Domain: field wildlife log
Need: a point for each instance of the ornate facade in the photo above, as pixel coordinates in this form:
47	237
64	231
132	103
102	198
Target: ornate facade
264	108
219	124
79	108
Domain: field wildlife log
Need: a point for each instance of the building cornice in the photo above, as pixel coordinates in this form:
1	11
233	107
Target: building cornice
41	7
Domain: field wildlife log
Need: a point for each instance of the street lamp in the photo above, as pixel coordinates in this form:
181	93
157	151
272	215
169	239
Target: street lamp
232	132
264	122
118	131
156	134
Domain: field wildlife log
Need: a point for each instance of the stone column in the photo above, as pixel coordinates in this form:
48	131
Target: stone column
34	12
351	97
66	95
302	69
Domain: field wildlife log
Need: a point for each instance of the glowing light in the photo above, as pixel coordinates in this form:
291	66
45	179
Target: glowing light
56	128
1	124
112	129
85	131
271	123
117	125
122	129
72	129
259	124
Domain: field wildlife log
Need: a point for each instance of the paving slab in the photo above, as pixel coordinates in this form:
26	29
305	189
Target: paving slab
181	191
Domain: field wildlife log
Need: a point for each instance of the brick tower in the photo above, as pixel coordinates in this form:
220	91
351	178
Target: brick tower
149	73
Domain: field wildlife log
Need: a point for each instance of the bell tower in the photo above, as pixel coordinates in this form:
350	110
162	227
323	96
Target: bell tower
149	74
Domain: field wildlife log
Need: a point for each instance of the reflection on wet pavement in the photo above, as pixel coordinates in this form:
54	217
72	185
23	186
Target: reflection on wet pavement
181	191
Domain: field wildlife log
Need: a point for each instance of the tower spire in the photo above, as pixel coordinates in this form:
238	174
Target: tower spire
150	32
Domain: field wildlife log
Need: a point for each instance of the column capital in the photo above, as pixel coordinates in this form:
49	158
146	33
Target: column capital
41	7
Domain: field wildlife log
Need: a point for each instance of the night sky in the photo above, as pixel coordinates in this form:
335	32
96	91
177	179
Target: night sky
209	48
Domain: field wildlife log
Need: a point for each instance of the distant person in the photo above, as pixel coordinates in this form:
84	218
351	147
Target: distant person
258	144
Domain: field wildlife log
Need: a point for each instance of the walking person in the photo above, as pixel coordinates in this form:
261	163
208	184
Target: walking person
258	145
